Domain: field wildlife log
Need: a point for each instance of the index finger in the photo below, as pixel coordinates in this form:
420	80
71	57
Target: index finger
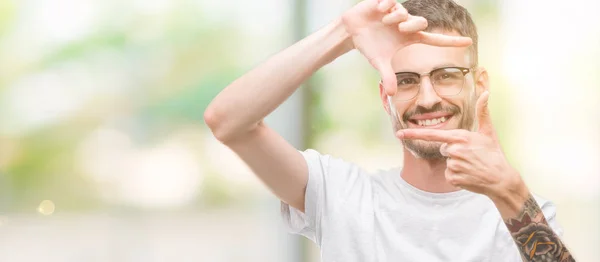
446	136
388	77
444	40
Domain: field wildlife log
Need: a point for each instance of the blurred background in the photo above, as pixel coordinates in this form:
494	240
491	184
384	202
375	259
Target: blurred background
104	155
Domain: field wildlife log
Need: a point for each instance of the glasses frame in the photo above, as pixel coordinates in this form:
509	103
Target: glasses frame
464	70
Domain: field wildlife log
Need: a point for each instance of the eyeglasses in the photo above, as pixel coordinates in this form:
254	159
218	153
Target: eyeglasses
446	81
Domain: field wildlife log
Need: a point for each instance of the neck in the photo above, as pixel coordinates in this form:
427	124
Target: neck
426	174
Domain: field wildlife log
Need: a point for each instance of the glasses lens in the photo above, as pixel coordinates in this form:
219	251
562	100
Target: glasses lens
408	85
448	81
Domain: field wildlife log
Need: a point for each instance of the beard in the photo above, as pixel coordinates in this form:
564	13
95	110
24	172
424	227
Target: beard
431	149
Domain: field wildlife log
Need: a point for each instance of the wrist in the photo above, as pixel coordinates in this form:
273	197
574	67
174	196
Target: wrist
328	43
510	198
342	34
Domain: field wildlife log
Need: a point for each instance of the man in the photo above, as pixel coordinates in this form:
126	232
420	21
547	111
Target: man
456	197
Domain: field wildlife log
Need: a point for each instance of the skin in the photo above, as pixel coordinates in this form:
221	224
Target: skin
466	154
427	174
376	28
379	30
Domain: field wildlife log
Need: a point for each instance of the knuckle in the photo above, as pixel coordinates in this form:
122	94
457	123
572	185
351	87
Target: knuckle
452	179
402	15
454	152
448	175
456	149
423	22
453	182
401	10
462	135
404	28
453	165
462	132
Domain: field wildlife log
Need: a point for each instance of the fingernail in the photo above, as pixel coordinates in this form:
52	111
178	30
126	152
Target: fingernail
400	134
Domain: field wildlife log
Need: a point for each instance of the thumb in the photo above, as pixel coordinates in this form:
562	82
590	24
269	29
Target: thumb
483	115
388	77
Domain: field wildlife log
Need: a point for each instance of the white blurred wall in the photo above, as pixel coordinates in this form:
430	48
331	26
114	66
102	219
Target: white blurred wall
551	57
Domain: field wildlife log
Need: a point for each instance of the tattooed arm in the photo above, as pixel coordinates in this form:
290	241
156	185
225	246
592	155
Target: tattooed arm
533	236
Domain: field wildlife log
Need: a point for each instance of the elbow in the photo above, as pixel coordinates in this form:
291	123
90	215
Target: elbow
218	125
215	124
211	119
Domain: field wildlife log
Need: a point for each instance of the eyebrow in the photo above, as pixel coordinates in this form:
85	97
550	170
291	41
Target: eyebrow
434	68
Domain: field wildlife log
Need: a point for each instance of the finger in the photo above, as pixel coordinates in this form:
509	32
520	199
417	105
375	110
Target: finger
443	40
455	151
385	5
413	24
455	165
388	77
443	149
447	136
451	177
399	14
457	179
483	115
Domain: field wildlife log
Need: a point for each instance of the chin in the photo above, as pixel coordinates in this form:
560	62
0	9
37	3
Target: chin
429	150
438	120
424	149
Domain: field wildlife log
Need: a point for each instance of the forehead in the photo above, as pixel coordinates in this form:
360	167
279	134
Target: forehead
424	58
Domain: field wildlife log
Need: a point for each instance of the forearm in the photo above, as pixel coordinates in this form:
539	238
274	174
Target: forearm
525	221
246	101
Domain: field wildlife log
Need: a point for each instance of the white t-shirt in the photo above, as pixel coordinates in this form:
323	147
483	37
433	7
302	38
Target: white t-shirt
356	216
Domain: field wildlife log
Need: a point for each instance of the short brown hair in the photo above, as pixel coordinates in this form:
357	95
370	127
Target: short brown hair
448	16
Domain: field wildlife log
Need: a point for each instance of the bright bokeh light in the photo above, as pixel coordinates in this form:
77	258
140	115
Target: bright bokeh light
46	207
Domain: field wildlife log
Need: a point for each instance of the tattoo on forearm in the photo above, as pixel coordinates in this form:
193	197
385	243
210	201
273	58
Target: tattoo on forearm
534	237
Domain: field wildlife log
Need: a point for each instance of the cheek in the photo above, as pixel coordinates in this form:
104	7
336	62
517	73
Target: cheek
397	110
464	102
468	106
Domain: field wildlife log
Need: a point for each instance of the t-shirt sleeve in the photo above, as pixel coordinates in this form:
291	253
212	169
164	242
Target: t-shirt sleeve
329	179
549	210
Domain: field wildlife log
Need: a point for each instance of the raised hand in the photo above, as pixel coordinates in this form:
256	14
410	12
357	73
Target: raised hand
380	28
475	161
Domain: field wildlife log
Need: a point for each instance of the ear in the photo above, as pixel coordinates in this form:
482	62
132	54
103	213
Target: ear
384	98
482	82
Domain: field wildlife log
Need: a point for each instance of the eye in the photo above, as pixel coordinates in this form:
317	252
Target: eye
407	81
448	74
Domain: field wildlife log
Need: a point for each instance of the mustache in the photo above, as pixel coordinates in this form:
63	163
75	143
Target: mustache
435	108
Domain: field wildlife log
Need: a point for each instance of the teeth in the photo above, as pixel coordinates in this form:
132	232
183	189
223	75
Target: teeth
431	122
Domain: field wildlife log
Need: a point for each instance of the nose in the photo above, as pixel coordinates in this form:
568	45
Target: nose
427	97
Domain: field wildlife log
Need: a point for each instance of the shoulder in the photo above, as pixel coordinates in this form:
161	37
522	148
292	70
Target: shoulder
330	164
345	175
335	164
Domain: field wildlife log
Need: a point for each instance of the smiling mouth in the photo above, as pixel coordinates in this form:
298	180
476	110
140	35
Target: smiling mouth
431	121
